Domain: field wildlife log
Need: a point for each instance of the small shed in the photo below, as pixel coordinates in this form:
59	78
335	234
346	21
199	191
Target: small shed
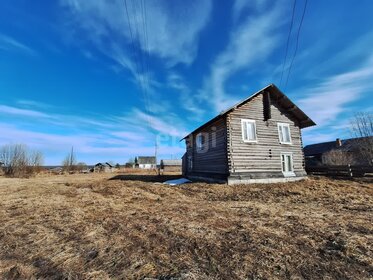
171	165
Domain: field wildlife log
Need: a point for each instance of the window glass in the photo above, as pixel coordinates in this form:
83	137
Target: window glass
284	133
287	163
199	141
248	130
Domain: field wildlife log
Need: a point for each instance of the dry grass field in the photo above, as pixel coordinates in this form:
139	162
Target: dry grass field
131	227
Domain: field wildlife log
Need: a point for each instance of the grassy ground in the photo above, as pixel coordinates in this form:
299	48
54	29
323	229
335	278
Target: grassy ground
131	227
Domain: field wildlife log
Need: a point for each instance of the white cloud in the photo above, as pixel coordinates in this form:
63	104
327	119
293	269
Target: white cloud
10	44
250	43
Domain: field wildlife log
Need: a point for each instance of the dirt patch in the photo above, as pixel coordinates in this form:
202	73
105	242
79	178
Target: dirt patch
82	227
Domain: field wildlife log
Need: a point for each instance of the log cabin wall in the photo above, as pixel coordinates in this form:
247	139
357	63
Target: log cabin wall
262	159
211	161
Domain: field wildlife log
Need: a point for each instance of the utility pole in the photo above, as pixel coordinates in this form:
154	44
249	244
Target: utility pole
156	150
71	156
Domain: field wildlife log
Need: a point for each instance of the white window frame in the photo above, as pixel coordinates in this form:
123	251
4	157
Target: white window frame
289	173
199	142
280	132
244	121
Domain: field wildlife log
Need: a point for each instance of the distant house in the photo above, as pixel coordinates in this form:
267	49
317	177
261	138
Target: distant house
148	162
56	170
103	167
173	165
257	140
342	152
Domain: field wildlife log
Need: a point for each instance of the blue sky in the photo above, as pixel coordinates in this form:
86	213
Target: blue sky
79	73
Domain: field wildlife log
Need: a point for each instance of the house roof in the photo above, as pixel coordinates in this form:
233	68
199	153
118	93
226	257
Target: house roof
280	98
103	164
321	148
146	160
171	162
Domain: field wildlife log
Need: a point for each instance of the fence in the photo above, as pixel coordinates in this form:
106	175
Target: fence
341	170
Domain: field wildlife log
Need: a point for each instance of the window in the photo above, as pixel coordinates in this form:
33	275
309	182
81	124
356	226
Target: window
190	162
284	133
200	141
248	130
287	164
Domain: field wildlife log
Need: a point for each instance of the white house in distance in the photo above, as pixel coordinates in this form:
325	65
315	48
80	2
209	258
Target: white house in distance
147	162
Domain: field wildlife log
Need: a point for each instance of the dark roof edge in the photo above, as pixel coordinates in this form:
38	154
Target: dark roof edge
223	113
343	140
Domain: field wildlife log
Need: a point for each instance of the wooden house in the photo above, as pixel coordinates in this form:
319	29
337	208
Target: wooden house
256	140
103	167
171	165
340	152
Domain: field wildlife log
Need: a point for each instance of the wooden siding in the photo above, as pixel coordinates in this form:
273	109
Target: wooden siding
213	158
263	157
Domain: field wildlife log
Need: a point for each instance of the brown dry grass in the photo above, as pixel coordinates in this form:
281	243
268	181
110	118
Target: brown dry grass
89	227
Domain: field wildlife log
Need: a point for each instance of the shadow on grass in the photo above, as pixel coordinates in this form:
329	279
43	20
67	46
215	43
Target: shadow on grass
146	178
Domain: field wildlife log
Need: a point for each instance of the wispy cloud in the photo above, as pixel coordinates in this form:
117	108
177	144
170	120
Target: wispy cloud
33	104
250	43
91	148
10	44
326	100
9	110
107	25
102	137
187	99
169	124
241	6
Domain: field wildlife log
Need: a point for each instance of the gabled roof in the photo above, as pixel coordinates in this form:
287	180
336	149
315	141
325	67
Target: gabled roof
321	148
104	164
146	160
280	98
171	162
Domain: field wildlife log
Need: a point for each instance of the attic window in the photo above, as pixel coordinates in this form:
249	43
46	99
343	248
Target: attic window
284	133
248	130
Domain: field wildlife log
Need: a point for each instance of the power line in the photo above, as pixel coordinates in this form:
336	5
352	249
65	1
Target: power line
296	46
287	44
138	59
144	64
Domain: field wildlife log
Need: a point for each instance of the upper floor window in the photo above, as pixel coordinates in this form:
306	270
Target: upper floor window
284	133
248	130
200	141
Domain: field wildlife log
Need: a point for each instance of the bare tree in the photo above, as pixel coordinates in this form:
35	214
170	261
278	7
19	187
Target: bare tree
80	166
19	161
36	160
362	128
69	163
